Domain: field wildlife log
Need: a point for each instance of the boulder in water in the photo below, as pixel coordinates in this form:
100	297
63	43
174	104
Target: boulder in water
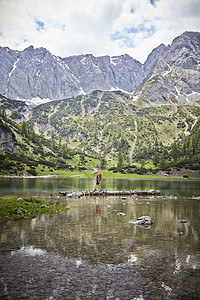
144	220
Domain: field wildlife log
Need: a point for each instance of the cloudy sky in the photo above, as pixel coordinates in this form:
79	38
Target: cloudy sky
99	27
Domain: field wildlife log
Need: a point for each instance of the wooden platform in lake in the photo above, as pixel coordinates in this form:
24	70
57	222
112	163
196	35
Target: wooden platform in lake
112	193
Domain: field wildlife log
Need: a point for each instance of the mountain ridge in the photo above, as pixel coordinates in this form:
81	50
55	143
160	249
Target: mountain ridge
170	74
33	73
175	77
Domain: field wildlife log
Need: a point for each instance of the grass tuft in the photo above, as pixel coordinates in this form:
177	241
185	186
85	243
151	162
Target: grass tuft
16	208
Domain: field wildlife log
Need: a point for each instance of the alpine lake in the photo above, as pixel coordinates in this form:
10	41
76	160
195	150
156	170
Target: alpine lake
93	252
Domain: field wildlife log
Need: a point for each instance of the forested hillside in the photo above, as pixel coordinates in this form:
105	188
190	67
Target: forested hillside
108	124
23	152
122	134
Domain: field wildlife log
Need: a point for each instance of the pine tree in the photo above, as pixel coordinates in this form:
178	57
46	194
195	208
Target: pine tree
103	161
53	142
120	161
60	142
23	128
156	159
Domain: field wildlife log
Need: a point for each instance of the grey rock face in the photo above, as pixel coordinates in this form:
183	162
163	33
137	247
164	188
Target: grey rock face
175	77
105	73
152	58
170	75
36	73
7	141
8	58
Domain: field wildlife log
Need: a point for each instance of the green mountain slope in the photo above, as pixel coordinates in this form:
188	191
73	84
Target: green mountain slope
112	126
23	152
106	123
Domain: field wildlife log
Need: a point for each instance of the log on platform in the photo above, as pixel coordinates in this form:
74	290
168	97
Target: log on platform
112	193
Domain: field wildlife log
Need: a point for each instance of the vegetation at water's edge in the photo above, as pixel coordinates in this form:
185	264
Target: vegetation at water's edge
15	208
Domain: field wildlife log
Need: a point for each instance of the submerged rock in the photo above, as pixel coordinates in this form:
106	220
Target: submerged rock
74	195
182	221
121	214
144	220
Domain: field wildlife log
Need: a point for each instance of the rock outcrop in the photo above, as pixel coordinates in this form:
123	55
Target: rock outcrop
7	139
36	73
175	76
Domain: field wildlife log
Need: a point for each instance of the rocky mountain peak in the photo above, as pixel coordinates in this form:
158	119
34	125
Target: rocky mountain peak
152	57
29	49
184	51
175	77
36	72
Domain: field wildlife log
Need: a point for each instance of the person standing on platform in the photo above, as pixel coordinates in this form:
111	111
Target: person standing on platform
98	179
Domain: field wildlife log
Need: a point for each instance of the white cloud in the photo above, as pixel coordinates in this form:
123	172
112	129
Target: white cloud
99	27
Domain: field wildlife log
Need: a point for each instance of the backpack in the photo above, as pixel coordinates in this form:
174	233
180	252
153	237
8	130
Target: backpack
100	177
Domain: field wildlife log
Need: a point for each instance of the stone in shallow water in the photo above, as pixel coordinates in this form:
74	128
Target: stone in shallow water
121	214
144	220
182	221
